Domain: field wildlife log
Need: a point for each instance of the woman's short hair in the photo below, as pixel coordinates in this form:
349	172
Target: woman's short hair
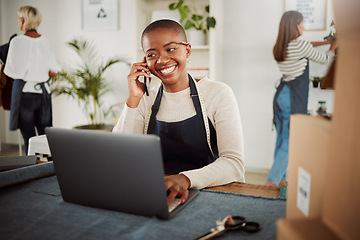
165	23
31	15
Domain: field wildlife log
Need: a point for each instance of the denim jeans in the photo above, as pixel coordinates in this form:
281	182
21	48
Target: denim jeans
282	120
30	114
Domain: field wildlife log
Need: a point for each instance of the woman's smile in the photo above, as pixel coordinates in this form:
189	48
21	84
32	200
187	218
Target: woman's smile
167	70
166	56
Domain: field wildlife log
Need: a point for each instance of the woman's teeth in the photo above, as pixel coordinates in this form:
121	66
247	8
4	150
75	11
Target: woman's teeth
167	70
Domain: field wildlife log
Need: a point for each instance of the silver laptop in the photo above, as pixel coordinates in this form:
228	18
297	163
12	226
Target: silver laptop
122	172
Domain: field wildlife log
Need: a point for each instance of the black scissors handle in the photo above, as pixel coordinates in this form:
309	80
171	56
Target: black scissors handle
237	223
240	223
251	227
230	223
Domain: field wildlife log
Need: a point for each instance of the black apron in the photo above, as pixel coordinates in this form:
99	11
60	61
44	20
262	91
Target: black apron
46	106
184	144
299	93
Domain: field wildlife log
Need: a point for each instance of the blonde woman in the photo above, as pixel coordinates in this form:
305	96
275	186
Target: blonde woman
30	62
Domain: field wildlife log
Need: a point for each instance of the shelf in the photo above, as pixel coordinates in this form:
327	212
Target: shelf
200	47
200	56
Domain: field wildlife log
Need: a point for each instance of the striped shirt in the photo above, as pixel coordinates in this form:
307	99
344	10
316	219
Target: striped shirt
297	56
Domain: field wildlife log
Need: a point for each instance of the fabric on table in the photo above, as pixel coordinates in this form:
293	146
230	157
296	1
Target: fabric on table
34	210
26	173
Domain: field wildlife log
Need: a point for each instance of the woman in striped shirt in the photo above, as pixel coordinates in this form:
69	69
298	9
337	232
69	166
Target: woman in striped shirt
292	55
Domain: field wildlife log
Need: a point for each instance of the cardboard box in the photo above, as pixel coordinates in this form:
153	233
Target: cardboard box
309	229
341	205
308	152
340	198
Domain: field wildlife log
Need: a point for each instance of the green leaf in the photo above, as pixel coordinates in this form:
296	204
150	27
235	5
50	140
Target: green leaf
184	12
196	18
74	45
172	6
188	25
207	8
180	3
210	22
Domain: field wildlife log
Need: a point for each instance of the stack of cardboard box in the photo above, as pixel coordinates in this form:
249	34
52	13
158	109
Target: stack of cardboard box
324	156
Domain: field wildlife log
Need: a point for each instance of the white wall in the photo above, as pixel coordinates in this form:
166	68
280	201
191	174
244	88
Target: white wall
245	36
240	55
61	23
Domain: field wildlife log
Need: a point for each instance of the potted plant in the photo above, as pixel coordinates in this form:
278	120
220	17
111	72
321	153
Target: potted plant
332	33
86	84
316	81
190	18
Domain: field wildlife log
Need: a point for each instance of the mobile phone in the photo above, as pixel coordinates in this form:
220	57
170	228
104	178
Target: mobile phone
146	83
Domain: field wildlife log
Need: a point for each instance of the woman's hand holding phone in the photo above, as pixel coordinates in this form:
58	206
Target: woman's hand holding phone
136	88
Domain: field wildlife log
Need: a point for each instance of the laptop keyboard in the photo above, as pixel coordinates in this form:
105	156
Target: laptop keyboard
176	202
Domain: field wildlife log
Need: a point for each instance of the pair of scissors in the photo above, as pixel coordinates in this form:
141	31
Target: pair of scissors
231	223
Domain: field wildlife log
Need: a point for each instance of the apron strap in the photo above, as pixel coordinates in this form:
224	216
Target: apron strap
154	109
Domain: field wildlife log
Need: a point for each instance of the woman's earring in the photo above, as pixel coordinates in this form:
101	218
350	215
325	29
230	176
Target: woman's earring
187	60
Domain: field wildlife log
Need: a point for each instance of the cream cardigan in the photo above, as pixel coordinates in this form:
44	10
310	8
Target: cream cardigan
223	112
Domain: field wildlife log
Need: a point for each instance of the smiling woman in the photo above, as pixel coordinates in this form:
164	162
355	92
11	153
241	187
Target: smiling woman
166	59
166	52
198	122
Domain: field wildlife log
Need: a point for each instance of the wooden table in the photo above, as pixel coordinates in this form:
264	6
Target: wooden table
249	189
